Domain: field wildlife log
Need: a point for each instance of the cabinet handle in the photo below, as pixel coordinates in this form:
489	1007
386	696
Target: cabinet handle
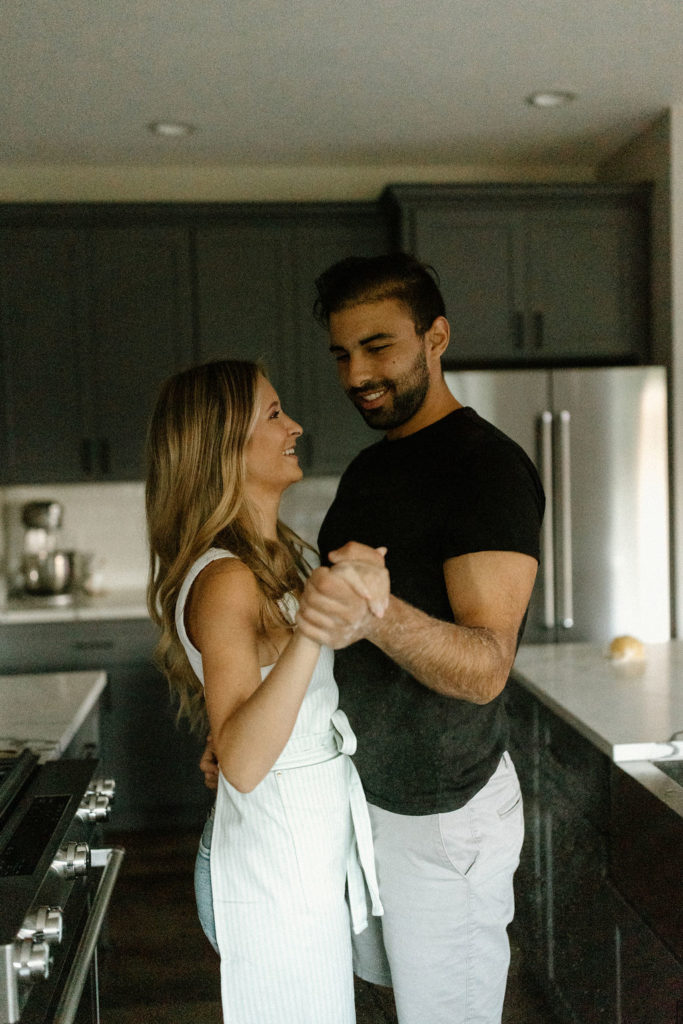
518	330
538	330
93	645
86	456
105	456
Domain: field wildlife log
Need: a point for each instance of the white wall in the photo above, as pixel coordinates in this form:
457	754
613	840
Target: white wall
677	344
657	156
108	520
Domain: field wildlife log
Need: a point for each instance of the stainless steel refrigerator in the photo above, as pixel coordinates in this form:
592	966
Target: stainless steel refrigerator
599	440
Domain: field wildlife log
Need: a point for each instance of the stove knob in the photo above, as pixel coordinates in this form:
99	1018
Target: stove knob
32	960
103	787
72	859
43	925
94	807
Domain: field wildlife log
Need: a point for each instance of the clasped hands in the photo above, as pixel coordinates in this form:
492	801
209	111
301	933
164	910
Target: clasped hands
342	603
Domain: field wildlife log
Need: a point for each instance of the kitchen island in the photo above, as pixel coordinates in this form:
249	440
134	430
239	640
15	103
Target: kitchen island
598	891
155	761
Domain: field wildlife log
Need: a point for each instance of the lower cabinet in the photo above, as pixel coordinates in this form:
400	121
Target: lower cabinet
154	761
581	935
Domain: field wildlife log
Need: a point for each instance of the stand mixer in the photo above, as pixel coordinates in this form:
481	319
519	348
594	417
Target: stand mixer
46	570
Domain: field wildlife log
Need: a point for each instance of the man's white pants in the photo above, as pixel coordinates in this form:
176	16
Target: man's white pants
446	885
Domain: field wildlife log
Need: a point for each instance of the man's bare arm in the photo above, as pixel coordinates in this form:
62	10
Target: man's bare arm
471	659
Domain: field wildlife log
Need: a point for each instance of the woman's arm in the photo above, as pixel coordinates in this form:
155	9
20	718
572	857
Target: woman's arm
250	720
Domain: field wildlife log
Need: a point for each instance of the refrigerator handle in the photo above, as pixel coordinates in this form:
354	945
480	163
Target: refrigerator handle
547	552
565	518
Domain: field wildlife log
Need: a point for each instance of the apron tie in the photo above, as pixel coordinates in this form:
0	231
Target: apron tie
360	866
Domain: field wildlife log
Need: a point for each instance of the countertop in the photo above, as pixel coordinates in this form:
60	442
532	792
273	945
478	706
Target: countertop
632	711
45	710
130	603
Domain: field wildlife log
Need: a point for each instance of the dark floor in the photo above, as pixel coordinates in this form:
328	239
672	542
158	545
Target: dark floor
157	967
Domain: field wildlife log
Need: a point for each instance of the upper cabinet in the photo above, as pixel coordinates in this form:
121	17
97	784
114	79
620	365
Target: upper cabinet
538	275
92	318
255	288
100	302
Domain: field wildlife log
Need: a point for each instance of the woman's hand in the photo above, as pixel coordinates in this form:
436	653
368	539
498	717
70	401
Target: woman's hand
371	582
340	604
208	765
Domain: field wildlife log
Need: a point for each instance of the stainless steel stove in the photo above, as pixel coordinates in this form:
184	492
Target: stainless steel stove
56	881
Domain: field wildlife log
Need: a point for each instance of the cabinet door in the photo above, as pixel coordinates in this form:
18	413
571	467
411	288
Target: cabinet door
540	275
477	255
581	954
334	431
650	978
140	333
244	291
524	747
255	293
41	323
154	762
586	283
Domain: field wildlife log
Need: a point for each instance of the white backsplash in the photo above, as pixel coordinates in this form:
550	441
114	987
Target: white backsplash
108	520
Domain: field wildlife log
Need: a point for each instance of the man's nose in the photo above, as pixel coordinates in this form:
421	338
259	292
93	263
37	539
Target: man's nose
357	371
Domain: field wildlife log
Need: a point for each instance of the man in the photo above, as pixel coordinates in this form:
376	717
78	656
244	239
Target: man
458	506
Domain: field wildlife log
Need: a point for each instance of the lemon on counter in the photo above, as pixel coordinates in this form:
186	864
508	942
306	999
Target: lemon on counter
626	648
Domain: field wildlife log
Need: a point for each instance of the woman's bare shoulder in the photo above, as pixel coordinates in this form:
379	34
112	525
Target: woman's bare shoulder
227	587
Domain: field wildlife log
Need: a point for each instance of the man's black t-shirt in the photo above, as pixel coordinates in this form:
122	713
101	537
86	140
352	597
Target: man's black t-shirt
457	486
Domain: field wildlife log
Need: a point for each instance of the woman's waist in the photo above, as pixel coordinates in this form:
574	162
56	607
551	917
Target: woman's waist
317	747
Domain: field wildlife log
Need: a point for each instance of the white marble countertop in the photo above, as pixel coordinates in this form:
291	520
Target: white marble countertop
631	711
130	603
45	710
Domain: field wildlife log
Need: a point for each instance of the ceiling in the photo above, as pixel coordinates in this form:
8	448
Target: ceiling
314	82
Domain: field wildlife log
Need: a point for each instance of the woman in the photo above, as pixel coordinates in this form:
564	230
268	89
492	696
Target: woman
224	582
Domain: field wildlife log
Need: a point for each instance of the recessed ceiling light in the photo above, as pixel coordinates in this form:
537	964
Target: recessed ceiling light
171	129
550	99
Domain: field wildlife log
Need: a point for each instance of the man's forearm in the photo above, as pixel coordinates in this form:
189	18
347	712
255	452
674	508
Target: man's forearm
470	663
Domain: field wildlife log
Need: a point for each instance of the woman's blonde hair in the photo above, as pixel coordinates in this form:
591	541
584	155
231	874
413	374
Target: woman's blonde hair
195	499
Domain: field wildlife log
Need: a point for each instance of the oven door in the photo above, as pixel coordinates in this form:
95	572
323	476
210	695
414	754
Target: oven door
76	996
67	993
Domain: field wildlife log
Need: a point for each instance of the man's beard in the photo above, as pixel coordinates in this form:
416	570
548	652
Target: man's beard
405	396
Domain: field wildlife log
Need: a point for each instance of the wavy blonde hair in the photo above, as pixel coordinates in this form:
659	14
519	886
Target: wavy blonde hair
195	499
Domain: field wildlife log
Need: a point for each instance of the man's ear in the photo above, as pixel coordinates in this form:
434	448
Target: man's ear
438	336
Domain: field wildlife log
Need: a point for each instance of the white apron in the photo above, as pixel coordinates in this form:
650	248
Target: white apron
282	859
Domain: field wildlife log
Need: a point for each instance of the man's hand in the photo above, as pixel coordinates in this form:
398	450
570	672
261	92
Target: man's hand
340	605
209	765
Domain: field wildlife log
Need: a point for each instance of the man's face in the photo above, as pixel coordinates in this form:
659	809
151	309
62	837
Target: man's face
381	362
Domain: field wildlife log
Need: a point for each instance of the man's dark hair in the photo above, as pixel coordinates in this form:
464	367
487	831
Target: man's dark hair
398	275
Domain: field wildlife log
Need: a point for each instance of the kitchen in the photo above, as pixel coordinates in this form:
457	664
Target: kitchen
105	518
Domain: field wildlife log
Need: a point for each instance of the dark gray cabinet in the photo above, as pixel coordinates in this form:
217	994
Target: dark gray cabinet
584	917
539	275
98	304
42	348
154	761
140	332
92	318
255	273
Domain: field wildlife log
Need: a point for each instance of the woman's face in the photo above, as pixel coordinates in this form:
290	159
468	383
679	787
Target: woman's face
272	464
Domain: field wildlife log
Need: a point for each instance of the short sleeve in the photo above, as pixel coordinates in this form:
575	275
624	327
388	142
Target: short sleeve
494	503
